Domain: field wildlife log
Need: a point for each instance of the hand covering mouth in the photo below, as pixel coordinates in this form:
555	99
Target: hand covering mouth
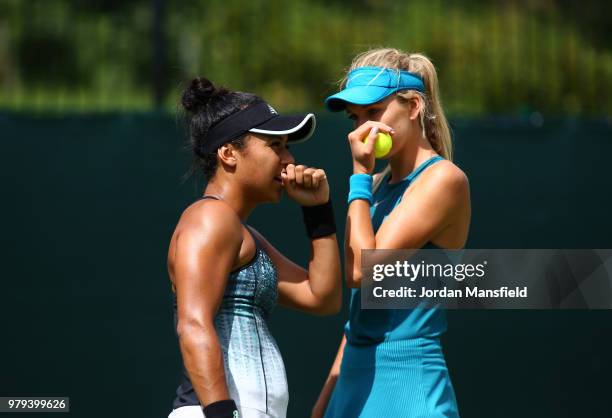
279	177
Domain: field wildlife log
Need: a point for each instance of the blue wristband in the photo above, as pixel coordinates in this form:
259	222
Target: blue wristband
360	188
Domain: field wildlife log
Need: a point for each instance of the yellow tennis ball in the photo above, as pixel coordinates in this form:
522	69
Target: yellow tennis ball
383	144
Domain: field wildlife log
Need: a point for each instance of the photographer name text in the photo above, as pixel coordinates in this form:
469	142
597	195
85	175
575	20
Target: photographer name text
474	292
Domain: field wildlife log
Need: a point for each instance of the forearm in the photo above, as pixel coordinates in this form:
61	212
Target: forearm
360	236
203	360
330	383
324	267
324	271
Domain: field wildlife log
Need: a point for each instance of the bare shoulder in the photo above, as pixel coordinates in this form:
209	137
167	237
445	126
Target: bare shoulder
446	178
206	224
212	218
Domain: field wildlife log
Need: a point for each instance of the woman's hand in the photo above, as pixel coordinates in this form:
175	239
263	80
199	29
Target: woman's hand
363	154
306	185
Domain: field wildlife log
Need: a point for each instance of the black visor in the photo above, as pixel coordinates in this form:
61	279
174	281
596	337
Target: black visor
260	118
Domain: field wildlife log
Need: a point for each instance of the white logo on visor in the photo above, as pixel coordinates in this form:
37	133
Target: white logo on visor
272	110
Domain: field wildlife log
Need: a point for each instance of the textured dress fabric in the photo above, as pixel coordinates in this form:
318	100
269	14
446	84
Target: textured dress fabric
254	368
393	364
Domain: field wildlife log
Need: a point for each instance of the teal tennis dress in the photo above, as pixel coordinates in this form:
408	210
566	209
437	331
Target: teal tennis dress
254	369
393	365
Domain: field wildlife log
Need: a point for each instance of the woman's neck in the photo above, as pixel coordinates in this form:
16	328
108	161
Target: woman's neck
415	153
230	194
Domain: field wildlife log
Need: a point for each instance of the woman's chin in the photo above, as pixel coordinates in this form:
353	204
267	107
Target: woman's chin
276	193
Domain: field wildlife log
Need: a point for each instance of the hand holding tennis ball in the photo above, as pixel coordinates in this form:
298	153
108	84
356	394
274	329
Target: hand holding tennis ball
365	153
383	144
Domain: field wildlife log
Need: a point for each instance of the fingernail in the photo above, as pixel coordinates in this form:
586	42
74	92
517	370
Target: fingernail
374	131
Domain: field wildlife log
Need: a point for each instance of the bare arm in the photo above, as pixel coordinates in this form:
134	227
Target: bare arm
359	236
316	290
433	206
330	383
421	216
206	249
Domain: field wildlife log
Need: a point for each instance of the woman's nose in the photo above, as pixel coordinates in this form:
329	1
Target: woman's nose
287	157
360	121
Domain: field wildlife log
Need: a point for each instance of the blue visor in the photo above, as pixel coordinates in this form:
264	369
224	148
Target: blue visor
367	85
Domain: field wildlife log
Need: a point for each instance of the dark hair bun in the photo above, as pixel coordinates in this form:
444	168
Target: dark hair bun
199	94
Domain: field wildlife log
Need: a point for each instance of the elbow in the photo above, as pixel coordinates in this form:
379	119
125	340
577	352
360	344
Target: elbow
328	309
334	307
193	331
353	284
330	306
328	301
353	279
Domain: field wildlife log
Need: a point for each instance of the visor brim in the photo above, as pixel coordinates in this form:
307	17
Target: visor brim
359	95
298	128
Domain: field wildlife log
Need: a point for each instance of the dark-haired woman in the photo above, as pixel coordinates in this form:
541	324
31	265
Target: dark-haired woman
226	276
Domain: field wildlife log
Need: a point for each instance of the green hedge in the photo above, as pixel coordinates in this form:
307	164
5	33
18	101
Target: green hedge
492	57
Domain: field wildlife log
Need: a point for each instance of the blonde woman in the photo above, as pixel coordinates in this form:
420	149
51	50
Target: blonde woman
390	362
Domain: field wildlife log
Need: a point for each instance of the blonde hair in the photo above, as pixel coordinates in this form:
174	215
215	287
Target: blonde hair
432	120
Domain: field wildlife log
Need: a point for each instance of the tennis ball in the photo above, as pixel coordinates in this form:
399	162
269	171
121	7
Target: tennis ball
383	144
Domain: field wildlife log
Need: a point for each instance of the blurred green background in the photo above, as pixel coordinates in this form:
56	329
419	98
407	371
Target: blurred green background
552	56
93	171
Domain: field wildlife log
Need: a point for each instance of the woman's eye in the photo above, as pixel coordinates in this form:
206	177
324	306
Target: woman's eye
352	117
278	145
373	112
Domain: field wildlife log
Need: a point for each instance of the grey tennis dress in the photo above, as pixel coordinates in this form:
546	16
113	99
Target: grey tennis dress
254	368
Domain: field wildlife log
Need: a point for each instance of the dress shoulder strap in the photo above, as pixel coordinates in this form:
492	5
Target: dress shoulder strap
422	167
258	245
